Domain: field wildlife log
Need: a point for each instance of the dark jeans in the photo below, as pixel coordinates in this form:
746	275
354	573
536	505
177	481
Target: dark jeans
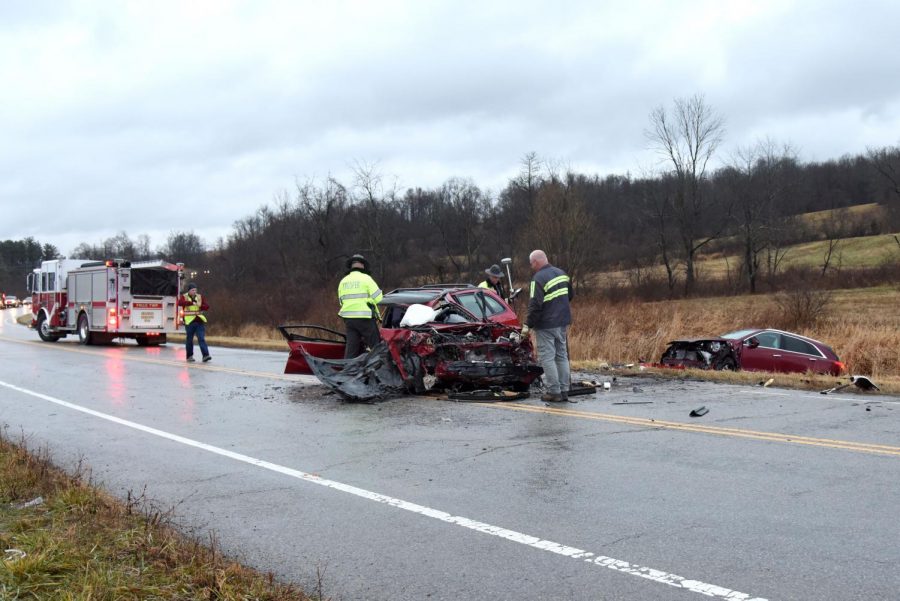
361	333
197	327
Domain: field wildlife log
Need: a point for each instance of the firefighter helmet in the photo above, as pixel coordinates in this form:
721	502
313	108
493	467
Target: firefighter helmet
358	259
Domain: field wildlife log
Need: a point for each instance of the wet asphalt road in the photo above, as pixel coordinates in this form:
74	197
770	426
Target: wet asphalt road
773	494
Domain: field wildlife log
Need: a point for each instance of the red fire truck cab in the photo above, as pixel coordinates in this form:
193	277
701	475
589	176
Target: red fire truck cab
102	300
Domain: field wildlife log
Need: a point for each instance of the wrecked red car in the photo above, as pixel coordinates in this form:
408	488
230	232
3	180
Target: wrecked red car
754	350
447	337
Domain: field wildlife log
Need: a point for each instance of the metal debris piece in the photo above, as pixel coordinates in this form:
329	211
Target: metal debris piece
487	396
767	383
702	410
13	555
32	503
835	389
863	383
582	387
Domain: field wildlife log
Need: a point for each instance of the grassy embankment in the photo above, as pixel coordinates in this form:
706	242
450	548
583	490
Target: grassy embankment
80	543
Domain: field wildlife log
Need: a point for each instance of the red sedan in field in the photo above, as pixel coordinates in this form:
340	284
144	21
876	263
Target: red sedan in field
754	350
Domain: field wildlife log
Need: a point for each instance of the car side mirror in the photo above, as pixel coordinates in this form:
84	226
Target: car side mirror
752	342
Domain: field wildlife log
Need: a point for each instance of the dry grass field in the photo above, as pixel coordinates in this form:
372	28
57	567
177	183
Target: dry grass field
862	325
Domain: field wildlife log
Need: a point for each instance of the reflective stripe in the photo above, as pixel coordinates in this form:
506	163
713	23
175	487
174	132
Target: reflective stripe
557	280
355	295
532	288
376	294
558	293
366	314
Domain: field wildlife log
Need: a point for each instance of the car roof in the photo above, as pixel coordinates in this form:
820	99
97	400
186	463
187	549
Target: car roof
421	294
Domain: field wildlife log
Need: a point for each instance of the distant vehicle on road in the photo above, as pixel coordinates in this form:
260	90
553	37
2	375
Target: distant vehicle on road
12	301
754	350
26	302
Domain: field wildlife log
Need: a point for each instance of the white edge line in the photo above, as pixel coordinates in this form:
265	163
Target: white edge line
696	586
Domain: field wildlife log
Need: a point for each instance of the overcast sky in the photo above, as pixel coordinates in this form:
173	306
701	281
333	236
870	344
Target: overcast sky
153	116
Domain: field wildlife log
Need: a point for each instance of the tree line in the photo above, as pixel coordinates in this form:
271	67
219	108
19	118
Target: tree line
288	254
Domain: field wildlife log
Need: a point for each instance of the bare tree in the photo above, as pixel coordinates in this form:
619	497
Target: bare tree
185	247
562	226
374	197
321	209
687	138
760	177
834	231
657	208
459	214
887	163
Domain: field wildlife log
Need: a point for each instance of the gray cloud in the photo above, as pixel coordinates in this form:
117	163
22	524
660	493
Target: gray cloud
153	117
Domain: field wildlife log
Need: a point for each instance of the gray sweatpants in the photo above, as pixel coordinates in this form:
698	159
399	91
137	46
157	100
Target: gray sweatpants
553	353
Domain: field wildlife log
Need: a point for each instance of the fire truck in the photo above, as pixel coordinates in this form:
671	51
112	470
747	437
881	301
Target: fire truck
102	300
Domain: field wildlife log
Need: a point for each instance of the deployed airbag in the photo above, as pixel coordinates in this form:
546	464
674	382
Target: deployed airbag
418	315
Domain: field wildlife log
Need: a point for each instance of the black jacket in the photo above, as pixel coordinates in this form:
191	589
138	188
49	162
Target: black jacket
551	291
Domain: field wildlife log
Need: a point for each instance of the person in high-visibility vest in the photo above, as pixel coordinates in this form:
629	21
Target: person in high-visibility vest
494	280
359	296
194	322
549	316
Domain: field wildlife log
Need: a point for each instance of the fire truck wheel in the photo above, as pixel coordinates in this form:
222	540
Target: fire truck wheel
84	330
43	328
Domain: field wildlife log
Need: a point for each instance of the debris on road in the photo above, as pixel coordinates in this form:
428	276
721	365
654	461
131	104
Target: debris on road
767	383
861	382
699	411
486	396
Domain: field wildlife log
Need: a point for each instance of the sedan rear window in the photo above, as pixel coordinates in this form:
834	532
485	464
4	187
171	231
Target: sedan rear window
789	343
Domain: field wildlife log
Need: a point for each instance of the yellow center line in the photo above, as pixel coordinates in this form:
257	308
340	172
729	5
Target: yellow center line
166	362
860	447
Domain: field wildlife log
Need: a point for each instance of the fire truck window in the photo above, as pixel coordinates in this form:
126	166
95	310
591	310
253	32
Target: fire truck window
154	282
51	282
44	287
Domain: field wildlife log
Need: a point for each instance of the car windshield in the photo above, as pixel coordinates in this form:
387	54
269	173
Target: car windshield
737	334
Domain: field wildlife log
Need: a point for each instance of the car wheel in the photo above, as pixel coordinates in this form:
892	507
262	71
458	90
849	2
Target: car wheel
726	364
84	329
43	328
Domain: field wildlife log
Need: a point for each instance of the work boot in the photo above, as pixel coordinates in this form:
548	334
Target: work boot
207	358
552	398
190	359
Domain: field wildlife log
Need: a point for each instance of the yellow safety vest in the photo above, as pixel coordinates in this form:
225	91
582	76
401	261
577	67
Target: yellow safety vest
359	296
193	311
484	284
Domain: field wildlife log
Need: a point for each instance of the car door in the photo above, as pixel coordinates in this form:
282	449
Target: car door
316	341
799	356
763	357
